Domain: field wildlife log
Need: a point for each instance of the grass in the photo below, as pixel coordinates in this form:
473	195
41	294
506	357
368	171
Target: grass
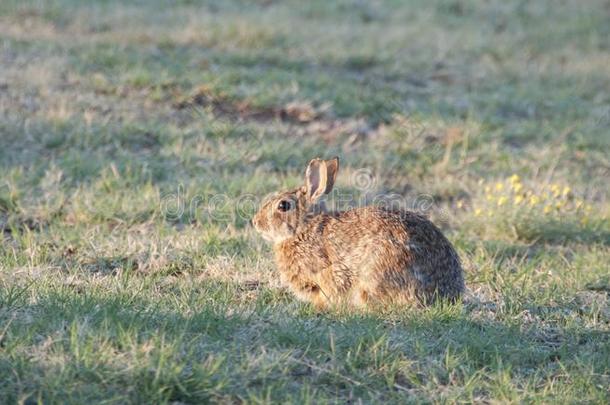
137	139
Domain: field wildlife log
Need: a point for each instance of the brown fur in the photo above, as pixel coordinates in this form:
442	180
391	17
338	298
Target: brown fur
357	257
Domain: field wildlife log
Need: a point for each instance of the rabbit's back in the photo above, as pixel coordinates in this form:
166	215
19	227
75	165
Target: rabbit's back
372	253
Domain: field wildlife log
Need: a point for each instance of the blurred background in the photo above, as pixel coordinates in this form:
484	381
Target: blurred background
137	138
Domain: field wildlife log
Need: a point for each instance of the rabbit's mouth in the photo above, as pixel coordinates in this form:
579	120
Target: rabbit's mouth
271	236
274	236
267	236
256	222
258	226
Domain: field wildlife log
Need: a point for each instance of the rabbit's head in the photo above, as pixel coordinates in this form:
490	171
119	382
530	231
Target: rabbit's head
281	215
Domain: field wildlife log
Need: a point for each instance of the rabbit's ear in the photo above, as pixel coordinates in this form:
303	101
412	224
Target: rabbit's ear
332	167
315	179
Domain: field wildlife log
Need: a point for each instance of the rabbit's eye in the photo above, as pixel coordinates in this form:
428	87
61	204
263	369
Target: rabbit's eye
284	206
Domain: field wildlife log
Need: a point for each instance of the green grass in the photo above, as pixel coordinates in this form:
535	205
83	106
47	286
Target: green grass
137	139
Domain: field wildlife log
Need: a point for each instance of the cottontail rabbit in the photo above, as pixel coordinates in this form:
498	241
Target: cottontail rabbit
357	257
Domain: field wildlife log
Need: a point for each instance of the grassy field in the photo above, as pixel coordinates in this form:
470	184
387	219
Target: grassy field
137	138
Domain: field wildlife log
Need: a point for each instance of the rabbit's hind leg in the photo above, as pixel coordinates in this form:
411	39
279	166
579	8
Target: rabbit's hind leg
312	293
361	298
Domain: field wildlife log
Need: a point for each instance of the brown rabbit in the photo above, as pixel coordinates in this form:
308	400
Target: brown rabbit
357	257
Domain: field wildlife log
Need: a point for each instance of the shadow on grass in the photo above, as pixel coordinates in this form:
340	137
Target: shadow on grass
563	232
156	342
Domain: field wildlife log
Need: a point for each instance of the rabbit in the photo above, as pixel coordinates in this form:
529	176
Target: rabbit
359	257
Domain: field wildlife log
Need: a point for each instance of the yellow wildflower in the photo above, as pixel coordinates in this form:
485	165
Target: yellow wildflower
517	187
547	209
499	186
477	212
566	191
555	189
518	199
534	200
514	179
502	200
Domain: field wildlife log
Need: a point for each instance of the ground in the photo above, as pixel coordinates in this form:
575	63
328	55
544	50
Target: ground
137	138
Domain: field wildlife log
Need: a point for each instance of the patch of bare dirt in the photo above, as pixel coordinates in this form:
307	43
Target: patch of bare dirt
303	115
8	225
